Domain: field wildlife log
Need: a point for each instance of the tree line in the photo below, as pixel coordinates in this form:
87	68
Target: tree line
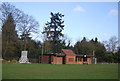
18	28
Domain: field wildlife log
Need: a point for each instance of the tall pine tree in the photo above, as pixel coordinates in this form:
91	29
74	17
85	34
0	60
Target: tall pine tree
53	31
9	38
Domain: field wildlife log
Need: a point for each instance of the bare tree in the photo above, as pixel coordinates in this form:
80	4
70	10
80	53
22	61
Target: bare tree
27	26
6	8
67	40
112	44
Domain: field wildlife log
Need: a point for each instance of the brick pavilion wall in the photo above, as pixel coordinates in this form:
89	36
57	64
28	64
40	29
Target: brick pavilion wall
45	59
57	60
70	59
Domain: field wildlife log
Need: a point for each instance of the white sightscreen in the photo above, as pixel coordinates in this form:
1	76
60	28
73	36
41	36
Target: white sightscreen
23	58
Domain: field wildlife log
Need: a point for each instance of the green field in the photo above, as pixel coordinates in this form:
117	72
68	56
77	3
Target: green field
50	71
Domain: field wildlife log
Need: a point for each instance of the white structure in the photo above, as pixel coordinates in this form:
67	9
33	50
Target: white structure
95	60
23	58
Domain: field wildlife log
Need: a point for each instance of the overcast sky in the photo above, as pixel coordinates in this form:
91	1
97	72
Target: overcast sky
82	19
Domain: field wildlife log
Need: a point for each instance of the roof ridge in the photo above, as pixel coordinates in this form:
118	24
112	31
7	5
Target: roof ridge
68	52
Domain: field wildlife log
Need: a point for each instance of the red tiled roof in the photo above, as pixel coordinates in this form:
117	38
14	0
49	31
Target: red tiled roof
68	52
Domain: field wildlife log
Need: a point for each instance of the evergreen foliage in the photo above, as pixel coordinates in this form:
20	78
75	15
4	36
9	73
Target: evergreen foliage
87	47
10	42
53	31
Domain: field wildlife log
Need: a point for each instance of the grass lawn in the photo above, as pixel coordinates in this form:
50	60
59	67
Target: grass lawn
50	71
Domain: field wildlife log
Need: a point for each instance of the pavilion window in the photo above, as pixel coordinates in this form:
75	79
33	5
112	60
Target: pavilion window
71	59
